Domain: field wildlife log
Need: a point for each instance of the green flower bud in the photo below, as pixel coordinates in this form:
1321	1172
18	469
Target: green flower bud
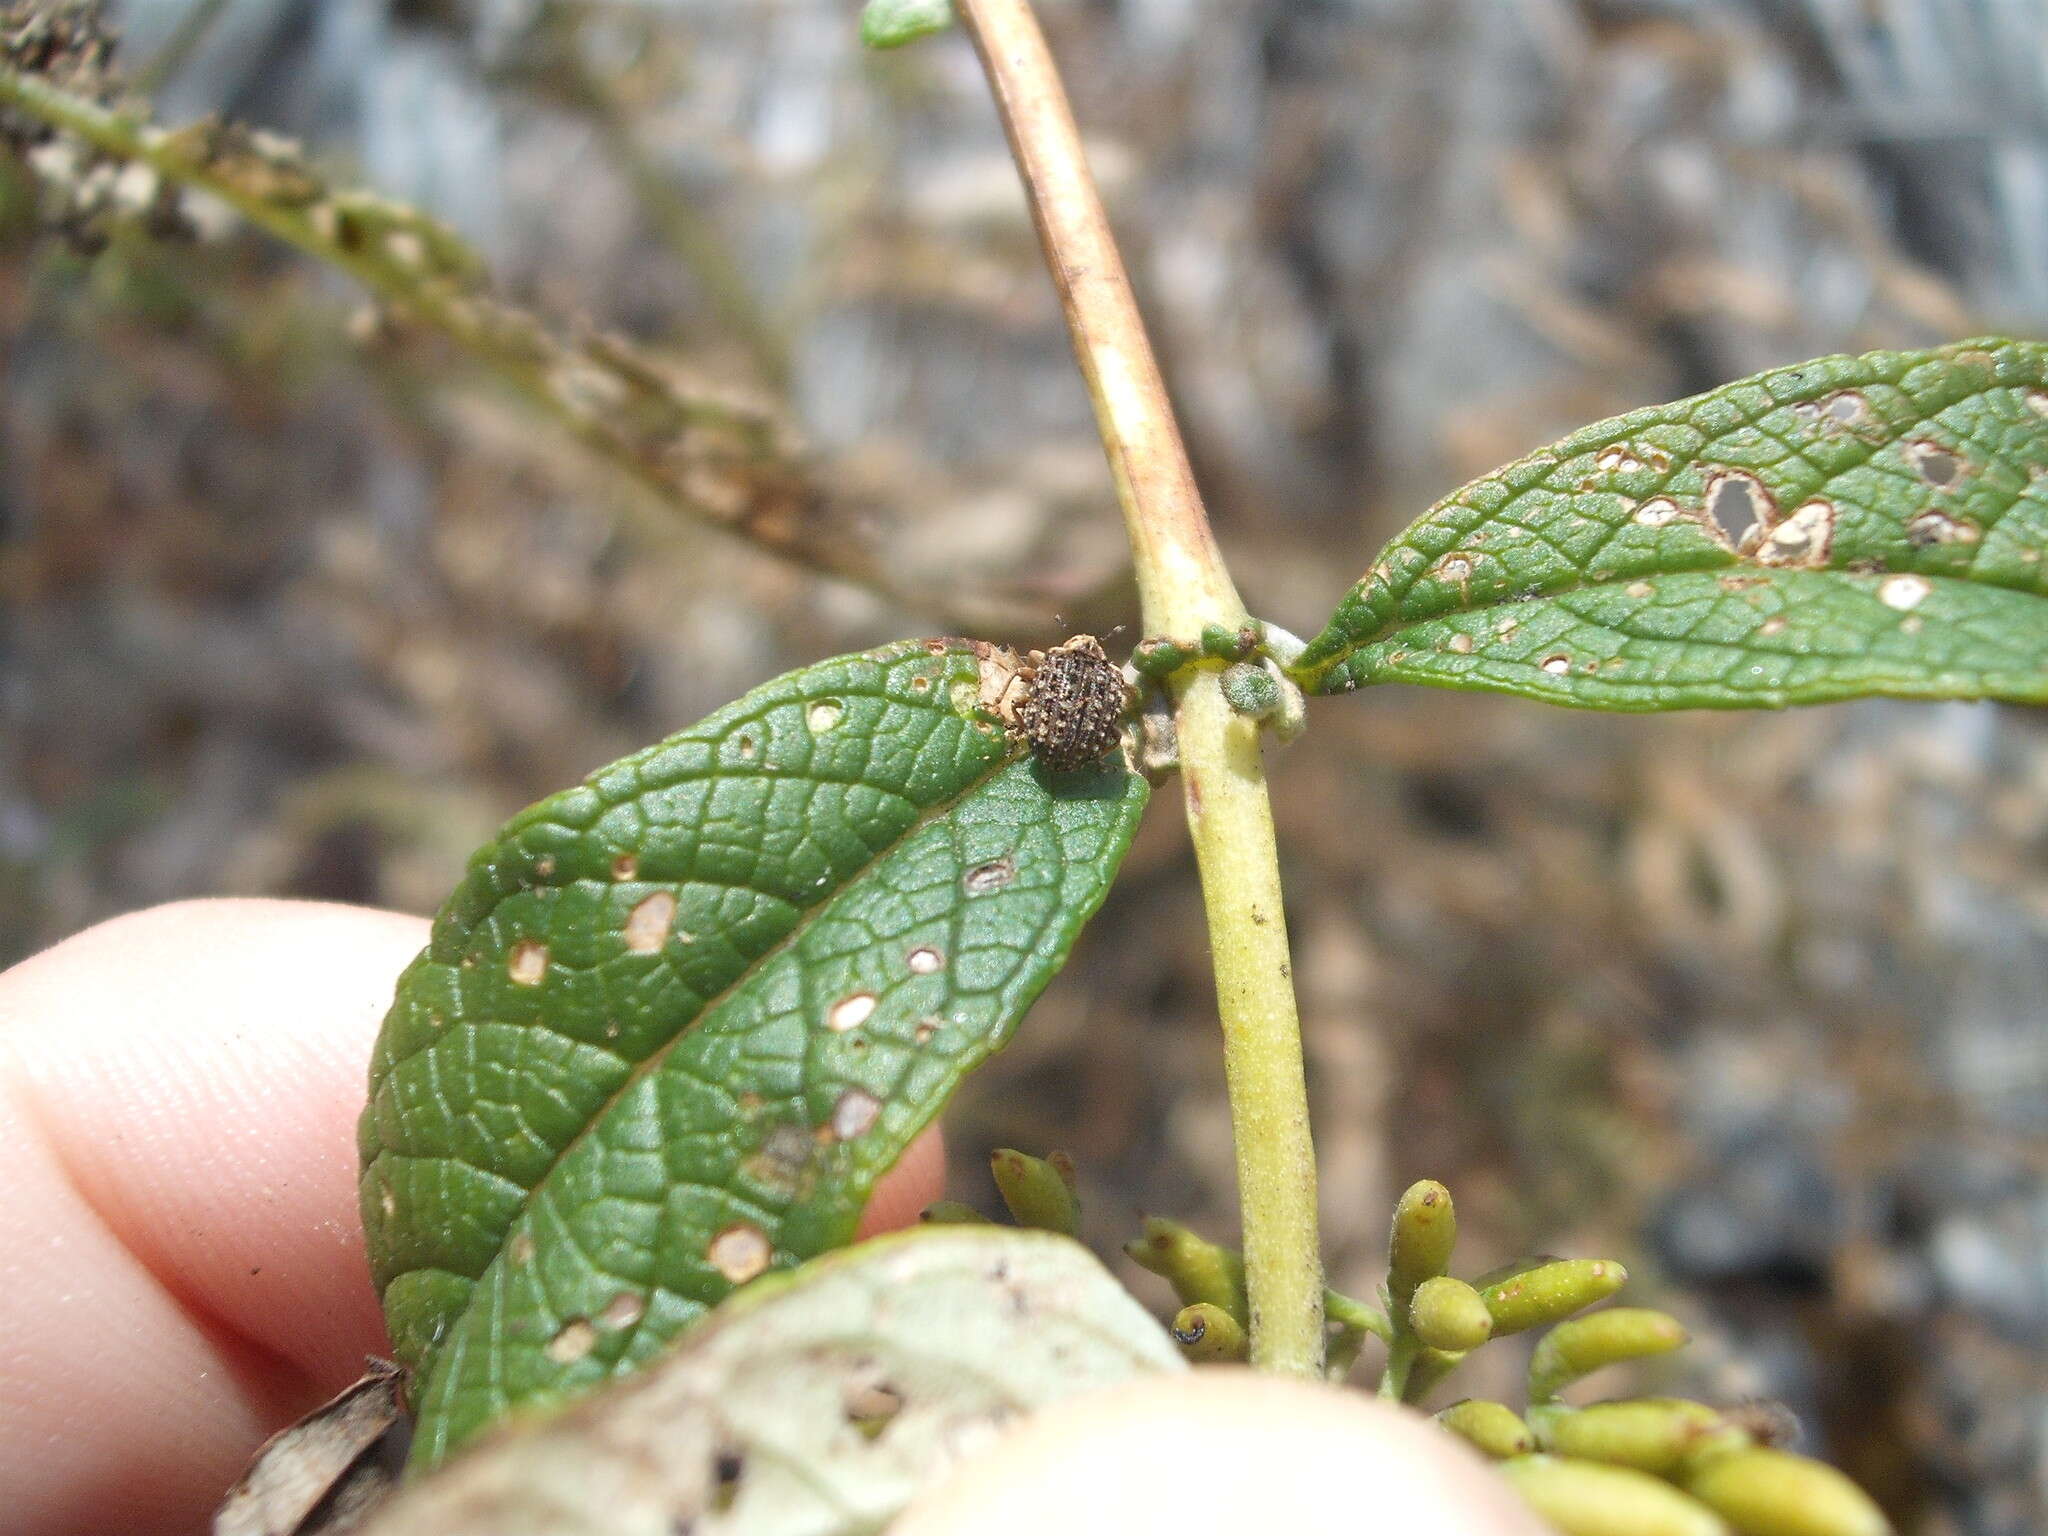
1493	1427
1036	1192
1651	1434
1207	1334
1585	1344
952	1213
1774	1493
1532	1297
1419	1247
1584	1498
1197	1269
1448	1314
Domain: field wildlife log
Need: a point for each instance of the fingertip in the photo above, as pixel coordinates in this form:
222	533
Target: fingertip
1222	1450
918	1179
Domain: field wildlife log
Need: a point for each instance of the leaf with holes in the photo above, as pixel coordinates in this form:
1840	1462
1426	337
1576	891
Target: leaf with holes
817	1402
676	1022
1851	526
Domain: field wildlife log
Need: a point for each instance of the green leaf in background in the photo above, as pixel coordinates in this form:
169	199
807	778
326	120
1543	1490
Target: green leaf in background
1849	526
816	1403
676	1022
893	23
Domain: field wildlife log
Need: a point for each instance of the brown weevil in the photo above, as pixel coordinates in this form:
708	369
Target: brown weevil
1067	703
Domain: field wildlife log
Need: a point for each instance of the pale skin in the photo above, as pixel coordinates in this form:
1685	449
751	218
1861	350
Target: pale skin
181	1267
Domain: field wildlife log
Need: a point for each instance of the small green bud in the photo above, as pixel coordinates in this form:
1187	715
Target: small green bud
1036	1192
1160	659
1448	1314
1585	1344
1251	689
1419	1247
1651	1434
892	23
1197	1269
1223	643
1584	1498
1774	1493
952	1213
1208	1335
1532	1297
1493	1427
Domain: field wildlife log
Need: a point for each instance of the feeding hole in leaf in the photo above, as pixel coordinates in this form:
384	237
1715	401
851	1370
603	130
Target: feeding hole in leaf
572	1341
850	1012
739	1252
1658	511
992	876
1904	593
824	715
924	960
854	1114
625	867
1935	464
647	925
1556	666
1737	506
527	963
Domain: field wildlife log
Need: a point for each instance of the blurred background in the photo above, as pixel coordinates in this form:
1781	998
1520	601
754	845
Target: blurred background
1751	1003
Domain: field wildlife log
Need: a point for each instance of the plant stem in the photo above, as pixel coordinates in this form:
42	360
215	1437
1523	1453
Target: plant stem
1182	581
1183	585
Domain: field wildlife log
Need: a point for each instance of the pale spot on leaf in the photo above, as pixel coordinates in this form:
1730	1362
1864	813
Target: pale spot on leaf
572	1341
992	876
850	1012
647	925
739	1252
1902	592
1803	539
854	1114
623	1311
527	963
924	960
824	716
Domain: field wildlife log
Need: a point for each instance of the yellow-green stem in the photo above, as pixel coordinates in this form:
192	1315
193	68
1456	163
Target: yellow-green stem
1183	585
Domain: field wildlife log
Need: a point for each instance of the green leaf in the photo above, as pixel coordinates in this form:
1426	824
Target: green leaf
817	1402
676	1022
1850	526
893	23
